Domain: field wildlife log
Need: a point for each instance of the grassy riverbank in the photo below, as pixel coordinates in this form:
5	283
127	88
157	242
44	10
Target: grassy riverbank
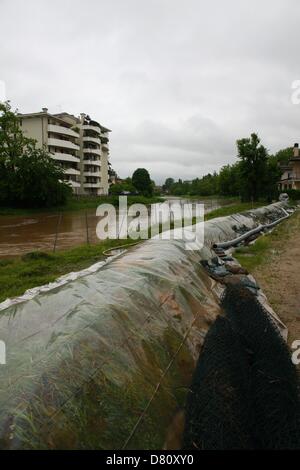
267	246
39	268
22	273
80	203
230	199
233	209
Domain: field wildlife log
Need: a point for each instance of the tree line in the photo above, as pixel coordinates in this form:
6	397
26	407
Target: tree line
253	176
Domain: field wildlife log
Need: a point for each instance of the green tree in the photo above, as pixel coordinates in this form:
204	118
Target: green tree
253	167
273	176
229	180
283	155
28	176
167	186
142	182
119	188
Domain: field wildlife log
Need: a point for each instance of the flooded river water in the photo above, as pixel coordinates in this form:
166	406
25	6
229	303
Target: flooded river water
23	234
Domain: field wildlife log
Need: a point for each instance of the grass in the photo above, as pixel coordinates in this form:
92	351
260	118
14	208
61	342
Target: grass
210	198
265	247
233	209
253	255
81	203
38	268
91	203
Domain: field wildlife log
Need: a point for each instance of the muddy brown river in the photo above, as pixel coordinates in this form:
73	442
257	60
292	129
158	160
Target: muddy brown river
23	234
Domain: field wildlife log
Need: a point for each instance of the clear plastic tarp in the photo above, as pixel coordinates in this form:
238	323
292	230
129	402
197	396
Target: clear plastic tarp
104	361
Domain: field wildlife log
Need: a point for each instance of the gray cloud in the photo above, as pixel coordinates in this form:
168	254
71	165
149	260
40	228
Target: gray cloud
177	82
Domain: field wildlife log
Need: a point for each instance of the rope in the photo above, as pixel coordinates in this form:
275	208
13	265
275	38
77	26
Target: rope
107	252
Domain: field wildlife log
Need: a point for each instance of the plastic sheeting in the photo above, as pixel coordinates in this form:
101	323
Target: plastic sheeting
104	361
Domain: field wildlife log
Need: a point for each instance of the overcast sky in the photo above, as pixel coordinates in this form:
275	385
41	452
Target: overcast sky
177	81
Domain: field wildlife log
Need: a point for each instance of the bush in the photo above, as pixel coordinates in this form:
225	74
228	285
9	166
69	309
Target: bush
293	194
142	182
37	255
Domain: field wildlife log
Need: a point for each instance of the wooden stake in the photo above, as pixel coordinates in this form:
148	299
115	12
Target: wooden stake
57	230
87	228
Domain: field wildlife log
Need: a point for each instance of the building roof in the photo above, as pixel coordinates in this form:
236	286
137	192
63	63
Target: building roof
104	129
42	114
68	115
60	117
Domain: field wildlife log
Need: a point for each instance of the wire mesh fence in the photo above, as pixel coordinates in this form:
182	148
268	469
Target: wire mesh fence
245	391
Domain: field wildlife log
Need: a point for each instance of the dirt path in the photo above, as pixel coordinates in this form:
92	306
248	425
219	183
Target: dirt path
279	276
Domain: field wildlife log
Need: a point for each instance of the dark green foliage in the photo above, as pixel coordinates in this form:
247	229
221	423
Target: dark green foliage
142	182
36	255
272	177
167	186
245	390
230	180
119	188
28	176
253	167
205	186
284	155
294	194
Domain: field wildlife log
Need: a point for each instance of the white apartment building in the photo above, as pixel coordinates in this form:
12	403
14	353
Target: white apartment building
79	144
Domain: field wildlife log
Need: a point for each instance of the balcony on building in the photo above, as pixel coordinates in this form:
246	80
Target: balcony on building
90	135
92	126
73	181
63	154
91	182
92	140
104	139
72	171
88	150
92	185
91	159
64	142
91	170
63	130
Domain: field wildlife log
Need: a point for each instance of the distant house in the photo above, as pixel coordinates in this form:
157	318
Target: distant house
290	178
